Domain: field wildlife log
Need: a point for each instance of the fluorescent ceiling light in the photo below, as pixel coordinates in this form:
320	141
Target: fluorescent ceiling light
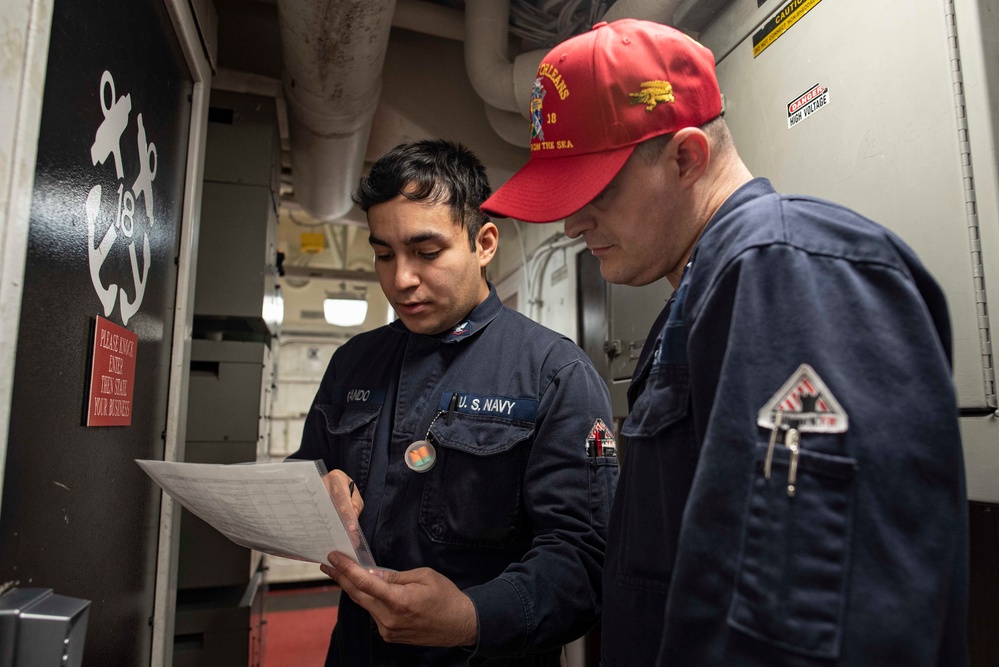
345	309
274	308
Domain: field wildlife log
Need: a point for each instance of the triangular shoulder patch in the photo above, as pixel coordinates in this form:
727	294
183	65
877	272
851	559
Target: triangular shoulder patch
600	441
806	404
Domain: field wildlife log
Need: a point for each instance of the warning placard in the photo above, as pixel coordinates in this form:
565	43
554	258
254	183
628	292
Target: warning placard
806	104
781	22
112	375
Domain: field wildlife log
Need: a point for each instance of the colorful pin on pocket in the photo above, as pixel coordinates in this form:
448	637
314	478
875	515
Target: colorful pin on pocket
421	456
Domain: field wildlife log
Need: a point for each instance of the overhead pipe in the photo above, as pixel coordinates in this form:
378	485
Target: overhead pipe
428	18
505	86
487	29
333	52
510	126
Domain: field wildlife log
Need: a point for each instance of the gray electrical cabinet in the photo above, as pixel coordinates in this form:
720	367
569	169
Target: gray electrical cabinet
219	583
886	108
223	426
231	371
237	244
891	108
215	630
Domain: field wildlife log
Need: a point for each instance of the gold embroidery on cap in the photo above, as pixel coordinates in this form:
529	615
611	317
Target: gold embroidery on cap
652	93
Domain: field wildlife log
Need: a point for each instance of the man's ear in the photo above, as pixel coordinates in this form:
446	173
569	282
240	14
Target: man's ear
486	243
692	152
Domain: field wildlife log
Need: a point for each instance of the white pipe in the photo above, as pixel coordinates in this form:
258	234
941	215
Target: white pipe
428	18
487	27
507	85
333	52
525	70
509	125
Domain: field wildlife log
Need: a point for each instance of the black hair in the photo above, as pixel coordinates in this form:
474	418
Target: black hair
434	171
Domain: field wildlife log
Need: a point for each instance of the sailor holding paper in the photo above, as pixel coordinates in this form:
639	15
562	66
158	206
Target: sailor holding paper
477	438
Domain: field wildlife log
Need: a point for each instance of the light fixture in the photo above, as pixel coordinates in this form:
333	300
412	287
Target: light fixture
348	307
274	308
345	308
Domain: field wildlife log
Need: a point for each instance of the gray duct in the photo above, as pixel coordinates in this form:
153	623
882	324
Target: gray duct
333	54
334	51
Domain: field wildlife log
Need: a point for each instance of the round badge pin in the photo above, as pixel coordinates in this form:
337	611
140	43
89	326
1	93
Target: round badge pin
421	456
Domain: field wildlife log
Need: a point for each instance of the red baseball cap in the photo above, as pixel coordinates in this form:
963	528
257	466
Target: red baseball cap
597	96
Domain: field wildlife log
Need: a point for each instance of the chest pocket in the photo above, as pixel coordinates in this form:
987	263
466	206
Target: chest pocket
659	461
350	439
473	495
794	560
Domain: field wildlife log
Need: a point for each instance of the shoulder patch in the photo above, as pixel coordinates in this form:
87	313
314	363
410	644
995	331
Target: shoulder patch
806	404
600	441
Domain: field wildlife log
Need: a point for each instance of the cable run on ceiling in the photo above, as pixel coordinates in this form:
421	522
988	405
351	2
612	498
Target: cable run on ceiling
545	23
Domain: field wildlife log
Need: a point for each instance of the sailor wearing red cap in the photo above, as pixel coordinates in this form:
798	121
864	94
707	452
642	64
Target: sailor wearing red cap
792	489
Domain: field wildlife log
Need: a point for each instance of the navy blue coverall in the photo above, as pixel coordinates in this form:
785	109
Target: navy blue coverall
514	510
855	550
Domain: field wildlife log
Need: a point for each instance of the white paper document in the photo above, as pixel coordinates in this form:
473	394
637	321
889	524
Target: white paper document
282	509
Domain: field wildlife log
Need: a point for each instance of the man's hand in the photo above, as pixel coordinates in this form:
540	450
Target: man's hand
420	607
341	488
347	500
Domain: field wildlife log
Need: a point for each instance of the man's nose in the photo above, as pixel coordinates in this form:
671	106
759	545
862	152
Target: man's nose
578	222
406	275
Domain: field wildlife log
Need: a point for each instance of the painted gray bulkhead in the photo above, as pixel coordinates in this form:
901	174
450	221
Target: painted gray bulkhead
907	138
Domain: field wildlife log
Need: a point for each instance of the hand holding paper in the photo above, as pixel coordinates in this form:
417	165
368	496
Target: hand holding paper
282	509
347	501
420	607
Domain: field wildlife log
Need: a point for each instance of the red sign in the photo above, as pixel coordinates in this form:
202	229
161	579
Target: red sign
111	375
805	98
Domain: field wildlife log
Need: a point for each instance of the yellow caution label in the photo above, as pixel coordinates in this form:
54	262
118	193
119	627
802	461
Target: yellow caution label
313	242
781	22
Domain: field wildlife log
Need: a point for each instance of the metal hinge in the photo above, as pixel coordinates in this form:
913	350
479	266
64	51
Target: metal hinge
971	208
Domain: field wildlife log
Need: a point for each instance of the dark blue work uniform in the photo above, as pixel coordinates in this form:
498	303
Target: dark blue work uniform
855	550
514	510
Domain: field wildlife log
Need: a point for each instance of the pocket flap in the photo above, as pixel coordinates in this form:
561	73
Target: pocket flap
350	421
481	436
665	401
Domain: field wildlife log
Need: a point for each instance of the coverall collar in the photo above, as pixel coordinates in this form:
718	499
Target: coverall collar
757	187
